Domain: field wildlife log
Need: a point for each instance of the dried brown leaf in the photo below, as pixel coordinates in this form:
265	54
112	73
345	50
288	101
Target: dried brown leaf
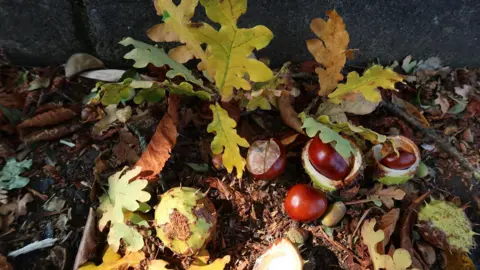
443	102
329	50
412	110
162	142
389	194
457	261
22	204
388	223
288	114
4	265
406	225
53	133
48	118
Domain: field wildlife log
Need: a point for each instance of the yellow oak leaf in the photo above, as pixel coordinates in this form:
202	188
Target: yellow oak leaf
330	50
200	262
227	140
401	258
177	25
157	265
226	57
367	84
350	129
113	261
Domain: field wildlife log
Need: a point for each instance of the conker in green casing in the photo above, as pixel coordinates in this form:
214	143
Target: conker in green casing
390	168
305	203
328	170
185	220
327	161
266	159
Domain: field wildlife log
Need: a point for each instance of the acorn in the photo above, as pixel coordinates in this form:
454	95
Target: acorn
327	169
393	169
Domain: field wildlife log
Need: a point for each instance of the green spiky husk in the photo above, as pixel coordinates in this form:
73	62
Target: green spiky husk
445	218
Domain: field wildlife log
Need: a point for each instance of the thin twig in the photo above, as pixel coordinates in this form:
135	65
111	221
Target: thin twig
433	134
360	201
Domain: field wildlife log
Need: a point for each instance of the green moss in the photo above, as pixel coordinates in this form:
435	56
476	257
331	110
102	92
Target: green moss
452	221
185	220
394	180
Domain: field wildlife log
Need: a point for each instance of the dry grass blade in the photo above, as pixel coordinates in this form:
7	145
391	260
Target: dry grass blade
162	142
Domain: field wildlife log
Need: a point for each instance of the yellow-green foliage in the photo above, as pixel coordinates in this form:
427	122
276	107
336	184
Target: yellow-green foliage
185	220
451	220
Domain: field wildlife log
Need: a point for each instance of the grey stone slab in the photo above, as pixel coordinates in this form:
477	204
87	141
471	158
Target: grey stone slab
382	29
39	32
111	21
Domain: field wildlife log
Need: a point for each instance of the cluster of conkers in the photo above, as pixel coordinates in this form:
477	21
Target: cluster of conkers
329	171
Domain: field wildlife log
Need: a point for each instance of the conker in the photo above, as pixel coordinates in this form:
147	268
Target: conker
327	161
304	203
266	159
401	162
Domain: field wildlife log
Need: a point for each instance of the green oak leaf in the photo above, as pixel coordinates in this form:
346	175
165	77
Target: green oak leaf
143	54
184	88
10	175
132	239
327	135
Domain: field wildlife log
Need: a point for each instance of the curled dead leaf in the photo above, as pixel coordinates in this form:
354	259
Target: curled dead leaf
53	133
412	110
48	118
162	142
288	114
388	223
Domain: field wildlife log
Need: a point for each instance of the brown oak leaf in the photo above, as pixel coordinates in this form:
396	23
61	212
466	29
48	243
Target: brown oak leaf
388	223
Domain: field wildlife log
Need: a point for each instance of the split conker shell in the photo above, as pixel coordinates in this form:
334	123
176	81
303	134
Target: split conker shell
325	183
281	255
389	176
266	159
185	220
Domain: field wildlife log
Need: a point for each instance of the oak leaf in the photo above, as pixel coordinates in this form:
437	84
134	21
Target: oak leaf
330	50
10	174
388	195
350	129
122	195
367	84
388	223
327	135
200	262
113	261
226	58
132	239
227	140
143	54
184	88
401	258
162	142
